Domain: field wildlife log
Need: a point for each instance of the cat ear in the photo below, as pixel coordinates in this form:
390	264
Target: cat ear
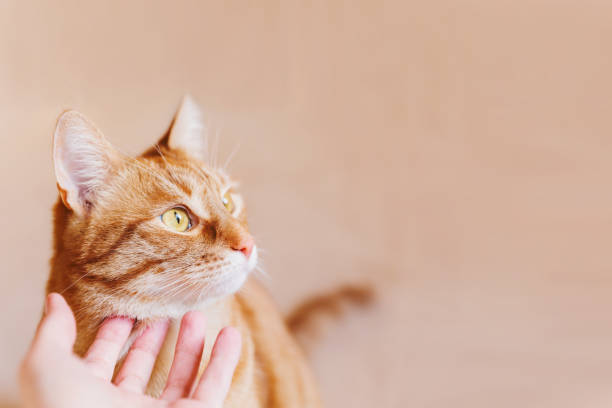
83	160
188	131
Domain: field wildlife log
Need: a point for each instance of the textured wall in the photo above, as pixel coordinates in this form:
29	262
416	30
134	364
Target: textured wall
455	152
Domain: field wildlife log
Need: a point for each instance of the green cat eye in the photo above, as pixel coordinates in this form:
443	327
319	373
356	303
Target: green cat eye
176	219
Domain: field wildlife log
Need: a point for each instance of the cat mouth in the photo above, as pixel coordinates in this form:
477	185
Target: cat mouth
226	280
200	286
234	279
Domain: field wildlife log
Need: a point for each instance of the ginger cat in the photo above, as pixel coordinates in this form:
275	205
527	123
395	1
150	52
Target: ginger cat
161	234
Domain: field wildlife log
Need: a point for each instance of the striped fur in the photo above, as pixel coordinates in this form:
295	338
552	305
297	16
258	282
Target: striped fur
113	255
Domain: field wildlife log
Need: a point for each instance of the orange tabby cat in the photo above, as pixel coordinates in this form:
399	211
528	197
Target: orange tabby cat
158	235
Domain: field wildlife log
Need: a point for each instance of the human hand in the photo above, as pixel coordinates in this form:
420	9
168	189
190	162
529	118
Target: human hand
52	376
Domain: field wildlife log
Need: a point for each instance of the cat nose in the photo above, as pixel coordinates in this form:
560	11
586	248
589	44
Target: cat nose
245	246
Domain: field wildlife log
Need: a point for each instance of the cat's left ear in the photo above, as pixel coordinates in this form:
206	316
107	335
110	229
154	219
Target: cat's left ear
187	132
84	161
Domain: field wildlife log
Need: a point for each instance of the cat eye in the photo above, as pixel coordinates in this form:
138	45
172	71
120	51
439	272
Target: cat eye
228	202
176	219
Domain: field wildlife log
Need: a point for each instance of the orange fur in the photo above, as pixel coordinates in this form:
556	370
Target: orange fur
113	256
302	320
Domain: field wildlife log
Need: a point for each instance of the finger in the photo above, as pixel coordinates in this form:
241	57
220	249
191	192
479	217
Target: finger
217	378
136	370
57	327
187	356
104	351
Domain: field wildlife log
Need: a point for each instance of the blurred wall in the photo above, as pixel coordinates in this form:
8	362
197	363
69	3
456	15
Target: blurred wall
454	152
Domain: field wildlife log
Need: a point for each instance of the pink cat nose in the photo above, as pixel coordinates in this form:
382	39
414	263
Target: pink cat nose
245	246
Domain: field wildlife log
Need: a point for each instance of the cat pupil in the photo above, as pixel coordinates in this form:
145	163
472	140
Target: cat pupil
178	217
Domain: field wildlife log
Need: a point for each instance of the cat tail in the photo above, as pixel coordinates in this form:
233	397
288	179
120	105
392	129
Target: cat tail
304	321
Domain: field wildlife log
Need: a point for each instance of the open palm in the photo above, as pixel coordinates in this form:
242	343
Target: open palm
52	376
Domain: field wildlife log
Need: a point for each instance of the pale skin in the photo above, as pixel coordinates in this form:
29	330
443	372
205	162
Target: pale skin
52	376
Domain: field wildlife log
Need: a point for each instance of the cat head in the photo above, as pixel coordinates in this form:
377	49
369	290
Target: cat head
155	234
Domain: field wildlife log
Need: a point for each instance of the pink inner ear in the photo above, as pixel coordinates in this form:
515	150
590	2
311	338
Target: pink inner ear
83	159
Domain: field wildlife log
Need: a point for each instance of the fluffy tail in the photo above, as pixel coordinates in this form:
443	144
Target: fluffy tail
302	320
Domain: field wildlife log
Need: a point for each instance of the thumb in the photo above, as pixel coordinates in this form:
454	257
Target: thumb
57	328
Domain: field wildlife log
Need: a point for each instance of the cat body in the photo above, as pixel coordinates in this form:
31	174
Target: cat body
158	235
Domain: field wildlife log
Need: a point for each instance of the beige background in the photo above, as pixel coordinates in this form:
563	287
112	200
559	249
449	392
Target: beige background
455	152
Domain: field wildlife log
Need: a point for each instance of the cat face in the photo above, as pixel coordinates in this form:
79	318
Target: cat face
156	234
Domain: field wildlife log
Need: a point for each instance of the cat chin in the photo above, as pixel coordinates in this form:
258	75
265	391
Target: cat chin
176	309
